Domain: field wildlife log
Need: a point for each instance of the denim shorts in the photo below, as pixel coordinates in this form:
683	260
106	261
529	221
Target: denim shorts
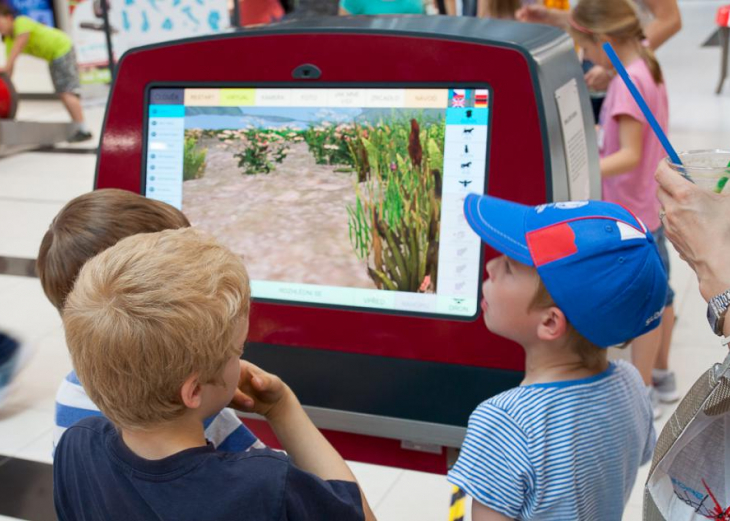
661	244
65	74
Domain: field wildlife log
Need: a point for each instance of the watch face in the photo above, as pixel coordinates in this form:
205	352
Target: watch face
716	311
713	318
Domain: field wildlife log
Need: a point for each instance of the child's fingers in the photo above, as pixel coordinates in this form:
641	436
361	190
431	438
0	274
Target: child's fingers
248	371
261	382
242	402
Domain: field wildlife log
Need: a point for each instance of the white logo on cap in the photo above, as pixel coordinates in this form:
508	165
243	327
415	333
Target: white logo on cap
656	316
569	205
629	232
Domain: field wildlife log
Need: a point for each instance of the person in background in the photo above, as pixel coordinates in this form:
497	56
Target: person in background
11	355
24	35
378	7
306	8
630	152
500	9
661	20
260	12
460	7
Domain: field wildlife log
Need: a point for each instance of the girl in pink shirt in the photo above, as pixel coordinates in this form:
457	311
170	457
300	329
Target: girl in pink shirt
630	153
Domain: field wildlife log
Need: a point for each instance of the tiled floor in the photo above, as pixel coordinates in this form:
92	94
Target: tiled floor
34	186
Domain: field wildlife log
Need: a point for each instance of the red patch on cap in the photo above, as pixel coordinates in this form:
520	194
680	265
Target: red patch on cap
551	244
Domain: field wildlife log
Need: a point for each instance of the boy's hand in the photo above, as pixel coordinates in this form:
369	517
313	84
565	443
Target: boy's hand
6	70
259	392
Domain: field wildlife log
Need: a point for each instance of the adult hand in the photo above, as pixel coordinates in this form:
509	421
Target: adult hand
259	391
7	70
538	14
697	222
598	78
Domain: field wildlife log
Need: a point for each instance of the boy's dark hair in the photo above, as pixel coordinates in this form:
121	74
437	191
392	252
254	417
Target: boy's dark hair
88	225
6	10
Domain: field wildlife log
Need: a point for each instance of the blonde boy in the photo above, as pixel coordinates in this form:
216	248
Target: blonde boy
156	326
574	279
86	226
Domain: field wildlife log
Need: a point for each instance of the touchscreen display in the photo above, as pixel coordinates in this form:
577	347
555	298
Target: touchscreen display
342	197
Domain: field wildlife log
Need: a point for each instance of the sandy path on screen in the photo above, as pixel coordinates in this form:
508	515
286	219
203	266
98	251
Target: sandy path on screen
289	225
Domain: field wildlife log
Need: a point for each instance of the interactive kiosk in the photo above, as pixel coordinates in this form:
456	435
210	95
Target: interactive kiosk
334	156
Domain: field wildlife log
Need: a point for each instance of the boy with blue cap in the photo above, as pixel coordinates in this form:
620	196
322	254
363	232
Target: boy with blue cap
574	279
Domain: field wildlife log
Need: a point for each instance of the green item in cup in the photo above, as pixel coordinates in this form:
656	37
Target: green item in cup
722	182
708	169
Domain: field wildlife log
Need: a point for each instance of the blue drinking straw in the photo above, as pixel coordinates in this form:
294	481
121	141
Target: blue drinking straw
643	106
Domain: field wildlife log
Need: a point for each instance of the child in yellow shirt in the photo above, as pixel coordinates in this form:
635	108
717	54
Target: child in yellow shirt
22	34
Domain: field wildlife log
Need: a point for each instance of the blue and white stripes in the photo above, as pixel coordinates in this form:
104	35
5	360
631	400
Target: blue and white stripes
559	451
224	429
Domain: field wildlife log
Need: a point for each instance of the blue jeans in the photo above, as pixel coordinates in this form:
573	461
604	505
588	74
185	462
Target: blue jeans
661	244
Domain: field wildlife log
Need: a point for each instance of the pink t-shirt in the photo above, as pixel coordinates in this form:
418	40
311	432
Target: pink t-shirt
635	189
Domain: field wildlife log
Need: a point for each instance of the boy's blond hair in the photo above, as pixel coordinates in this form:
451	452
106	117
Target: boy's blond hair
591	355
88	225
148	313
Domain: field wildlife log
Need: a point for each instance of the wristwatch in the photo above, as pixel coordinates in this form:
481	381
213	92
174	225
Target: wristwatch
716	311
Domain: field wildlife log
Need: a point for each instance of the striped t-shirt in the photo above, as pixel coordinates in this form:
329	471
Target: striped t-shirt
559	451
224	430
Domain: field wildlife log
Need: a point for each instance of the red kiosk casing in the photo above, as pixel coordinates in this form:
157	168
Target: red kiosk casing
387	389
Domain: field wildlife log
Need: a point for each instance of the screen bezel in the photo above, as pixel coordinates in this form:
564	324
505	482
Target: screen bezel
335	85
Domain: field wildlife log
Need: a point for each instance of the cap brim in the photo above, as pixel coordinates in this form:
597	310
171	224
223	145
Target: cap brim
499	223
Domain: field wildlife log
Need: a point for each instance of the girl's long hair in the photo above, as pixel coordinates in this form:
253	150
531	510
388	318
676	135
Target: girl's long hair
617	19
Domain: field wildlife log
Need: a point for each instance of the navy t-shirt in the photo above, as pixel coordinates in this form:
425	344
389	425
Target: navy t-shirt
96	476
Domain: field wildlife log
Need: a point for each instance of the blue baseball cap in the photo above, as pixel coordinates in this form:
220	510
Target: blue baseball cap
597	260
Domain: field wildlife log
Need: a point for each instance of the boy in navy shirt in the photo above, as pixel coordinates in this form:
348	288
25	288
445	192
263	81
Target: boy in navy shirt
156	326
82	229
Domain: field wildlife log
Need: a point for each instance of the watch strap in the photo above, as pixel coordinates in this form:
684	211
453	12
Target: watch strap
719	305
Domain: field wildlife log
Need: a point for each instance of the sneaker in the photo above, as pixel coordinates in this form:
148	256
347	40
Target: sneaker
654	400
79	136
666	387
12	359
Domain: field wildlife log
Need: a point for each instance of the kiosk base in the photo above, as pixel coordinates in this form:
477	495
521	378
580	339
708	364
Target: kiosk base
368	449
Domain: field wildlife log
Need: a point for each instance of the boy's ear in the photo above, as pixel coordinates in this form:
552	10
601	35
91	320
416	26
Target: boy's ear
192	392
553	324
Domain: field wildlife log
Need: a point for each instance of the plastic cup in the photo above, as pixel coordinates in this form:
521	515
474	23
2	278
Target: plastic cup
708	169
